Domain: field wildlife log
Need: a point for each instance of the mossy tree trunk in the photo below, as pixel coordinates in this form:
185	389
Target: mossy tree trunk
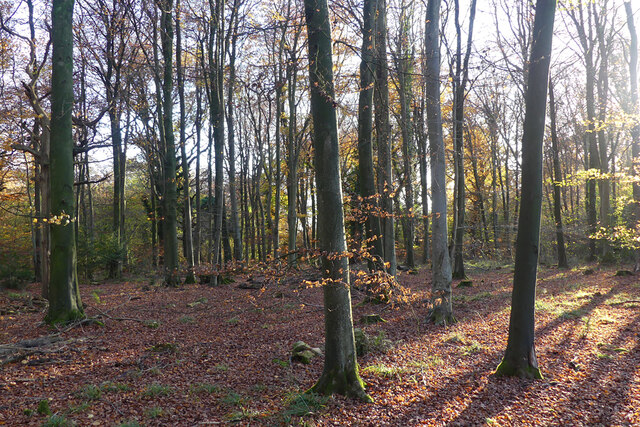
442	312
340	374
64	294
520	357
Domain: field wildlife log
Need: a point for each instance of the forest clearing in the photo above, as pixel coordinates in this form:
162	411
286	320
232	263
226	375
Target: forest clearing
199	355
319	212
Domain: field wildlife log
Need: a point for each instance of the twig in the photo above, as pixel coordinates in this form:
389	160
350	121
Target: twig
133	319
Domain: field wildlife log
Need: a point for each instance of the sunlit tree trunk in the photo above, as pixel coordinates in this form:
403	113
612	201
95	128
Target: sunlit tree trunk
520	355
340	374
405	69
635	131
383	138
366	174
460	82
442	312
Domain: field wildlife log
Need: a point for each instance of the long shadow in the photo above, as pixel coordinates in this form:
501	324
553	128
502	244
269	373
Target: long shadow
509	390
608	383
596	300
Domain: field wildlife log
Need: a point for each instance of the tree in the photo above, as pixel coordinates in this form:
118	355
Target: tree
520	355
383	138
442	312
460	79
170	193
340	374
64	293
404	66
187	231
587	42
635	131
366	175
557	180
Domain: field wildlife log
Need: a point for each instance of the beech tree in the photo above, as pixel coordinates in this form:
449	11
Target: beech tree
366	175
383	138
442	312
170	193
64	293
520	355
635	130
340	374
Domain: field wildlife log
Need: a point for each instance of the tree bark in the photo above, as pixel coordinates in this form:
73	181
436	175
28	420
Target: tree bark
520	355
460	82
64	293
340	374
557	179
170	193
187	232
635	131
366	174
383	138
404	66
442	312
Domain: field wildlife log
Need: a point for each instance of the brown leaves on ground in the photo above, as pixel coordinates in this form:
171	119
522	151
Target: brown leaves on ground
204	355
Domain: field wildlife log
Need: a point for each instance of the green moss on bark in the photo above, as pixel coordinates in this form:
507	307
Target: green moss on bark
345	382
63	317
508	368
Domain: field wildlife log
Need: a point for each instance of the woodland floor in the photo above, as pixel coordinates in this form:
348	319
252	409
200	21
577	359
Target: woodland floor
200	355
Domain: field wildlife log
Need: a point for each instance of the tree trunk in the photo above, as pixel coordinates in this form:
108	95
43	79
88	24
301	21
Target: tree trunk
557	179
64	293
366	175
520	355
442	312
405	58
187	232
635	131
233	197
422	159
216	111
340	374
383	138
459	83
170	193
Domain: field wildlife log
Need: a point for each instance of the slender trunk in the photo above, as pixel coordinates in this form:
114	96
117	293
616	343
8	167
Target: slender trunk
424	189
197	237
442	312
557	180
383	138
520	355
635	131
460	82
186	199
366	175
233	196
170	194
406	96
